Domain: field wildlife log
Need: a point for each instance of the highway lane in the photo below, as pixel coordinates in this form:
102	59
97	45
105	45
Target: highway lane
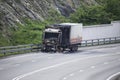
87	64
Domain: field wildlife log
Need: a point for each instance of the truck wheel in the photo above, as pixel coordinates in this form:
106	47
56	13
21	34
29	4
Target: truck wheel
73	48
76	48
43	49
62	49
48	49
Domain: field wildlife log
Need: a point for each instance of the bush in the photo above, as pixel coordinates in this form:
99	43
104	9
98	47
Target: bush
29	33
91	15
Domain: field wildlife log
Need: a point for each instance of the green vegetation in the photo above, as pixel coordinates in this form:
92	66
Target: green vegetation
91	15
105	12
31	31
4	41
113	7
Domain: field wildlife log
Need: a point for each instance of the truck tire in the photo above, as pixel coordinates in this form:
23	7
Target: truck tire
73	48
45	49
76	48
62	49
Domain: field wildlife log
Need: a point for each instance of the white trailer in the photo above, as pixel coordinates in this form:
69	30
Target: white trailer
75	32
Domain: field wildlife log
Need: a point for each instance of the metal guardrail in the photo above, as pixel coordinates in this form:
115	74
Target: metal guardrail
19	48
37	47
101	41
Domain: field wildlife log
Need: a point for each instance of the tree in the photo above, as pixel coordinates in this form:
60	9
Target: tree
91	15
113	7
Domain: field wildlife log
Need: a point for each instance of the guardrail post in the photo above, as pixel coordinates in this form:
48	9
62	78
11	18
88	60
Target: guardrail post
98	42
38	47
86	43
17	48
104	41
109	40
24	47
92	42
115	39
4	51
31	48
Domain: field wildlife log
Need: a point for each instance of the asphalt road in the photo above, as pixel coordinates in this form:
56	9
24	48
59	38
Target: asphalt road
94	63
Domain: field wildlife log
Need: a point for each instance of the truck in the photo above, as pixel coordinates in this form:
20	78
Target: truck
62	37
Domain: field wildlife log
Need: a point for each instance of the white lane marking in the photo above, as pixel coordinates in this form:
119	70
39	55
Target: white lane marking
81	70
16	65
64	78
57	65
112	76
92	67
106	62
72	74
33	61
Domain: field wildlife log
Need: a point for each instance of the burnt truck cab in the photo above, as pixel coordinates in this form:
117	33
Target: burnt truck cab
51	39
58	38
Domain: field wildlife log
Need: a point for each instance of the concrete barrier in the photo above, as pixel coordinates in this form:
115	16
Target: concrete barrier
101	31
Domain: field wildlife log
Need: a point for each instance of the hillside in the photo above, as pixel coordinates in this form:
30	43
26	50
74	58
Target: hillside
28	17
13	12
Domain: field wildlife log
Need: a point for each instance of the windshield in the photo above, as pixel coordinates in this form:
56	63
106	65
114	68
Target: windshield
51	35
